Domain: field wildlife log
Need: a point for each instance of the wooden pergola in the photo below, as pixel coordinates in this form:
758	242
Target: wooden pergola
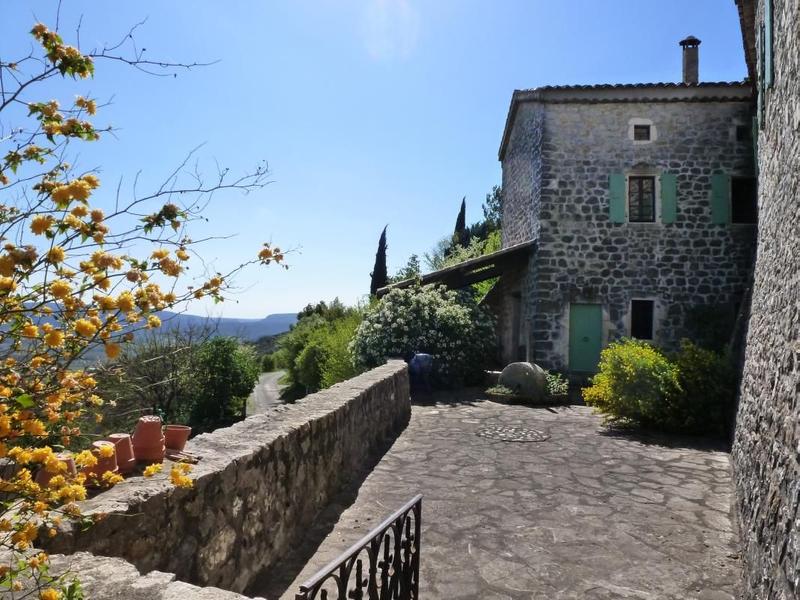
472	270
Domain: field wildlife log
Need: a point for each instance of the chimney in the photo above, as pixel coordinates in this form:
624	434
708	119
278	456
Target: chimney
691	59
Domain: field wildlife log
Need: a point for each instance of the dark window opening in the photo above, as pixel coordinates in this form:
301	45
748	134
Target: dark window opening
744	200
744	133
641	133
642	199
642	319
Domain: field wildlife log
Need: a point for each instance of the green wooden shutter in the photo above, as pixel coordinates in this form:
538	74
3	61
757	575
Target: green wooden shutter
768	71
720	198
669	197
616	197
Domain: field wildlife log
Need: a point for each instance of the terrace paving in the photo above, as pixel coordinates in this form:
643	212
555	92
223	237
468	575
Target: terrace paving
575	511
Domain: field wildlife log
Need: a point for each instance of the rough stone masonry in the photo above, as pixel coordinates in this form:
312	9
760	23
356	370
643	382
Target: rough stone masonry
259	485
766	452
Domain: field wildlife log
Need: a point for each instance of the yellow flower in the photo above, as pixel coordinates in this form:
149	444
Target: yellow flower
182	254
80	211
41	223
7	284
30	330
85	327
61	195
153	322
85	459
125	302
91	180
112	350
178	475
60	289
54	338
97	215
56	254
160	253
80	189
106	450
152	469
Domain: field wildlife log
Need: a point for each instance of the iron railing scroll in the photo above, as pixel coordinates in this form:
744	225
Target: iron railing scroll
383	565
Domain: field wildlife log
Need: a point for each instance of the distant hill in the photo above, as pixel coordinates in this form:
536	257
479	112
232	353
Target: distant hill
245	329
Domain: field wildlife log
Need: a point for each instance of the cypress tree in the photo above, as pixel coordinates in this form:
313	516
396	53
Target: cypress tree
379	275
461	234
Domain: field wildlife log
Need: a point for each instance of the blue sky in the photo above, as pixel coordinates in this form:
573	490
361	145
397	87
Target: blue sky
369	112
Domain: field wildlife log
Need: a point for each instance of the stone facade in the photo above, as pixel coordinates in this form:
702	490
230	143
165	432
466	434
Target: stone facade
766	451
258	486
560	147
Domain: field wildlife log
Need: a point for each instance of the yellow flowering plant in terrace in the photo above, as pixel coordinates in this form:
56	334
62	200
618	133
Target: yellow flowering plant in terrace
72	281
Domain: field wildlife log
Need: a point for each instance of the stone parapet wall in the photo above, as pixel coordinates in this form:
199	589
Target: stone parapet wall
258	486
766	450
107	578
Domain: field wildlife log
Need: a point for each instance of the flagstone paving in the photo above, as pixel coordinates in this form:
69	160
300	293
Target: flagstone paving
541	503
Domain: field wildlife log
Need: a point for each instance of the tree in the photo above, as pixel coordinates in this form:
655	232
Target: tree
379	275
74	280
222	376
493	209
460	233
411	270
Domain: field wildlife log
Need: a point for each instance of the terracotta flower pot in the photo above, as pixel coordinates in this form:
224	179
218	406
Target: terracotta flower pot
43	477
126	460
176	436
148	440
104	463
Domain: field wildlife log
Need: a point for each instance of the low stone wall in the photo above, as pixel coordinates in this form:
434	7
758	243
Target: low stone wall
259	484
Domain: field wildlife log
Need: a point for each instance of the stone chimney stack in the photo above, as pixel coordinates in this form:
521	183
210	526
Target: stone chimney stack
691	60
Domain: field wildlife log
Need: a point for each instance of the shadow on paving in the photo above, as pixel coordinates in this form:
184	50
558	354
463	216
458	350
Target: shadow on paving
535	503
275	581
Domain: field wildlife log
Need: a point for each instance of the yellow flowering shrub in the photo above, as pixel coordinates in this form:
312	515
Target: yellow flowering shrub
635	383
73	278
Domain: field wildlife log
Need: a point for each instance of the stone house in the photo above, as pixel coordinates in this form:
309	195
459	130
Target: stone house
635	205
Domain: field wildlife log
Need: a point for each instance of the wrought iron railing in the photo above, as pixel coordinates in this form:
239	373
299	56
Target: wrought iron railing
383	565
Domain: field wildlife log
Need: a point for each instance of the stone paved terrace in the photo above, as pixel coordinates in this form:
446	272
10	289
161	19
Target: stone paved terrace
585	514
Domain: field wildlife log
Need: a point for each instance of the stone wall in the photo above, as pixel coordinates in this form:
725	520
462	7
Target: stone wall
583	257
258	486
766	451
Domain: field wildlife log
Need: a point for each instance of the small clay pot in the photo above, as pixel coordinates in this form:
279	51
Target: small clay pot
126	460
176	436
94	475
148	440
43	477
150	454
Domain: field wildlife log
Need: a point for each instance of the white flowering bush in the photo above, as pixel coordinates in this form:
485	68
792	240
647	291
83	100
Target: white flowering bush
448	325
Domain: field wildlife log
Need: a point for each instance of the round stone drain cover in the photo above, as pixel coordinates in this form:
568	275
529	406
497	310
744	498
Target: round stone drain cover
509	433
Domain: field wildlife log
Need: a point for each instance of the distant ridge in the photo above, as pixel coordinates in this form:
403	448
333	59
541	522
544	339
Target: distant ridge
245	329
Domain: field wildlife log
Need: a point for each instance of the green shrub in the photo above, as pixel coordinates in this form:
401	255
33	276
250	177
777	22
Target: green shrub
635	384
690	391
221	377
268	363
708	381
315	353
450	326
308	365
557	384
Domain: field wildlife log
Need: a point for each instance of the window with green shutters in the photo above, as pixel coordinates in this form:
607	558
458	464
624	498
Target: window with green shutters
720	198
616	197
669	197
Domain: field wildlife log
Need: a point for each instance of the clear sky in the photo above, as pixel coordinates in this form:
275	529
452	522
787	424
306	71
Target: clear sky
369	112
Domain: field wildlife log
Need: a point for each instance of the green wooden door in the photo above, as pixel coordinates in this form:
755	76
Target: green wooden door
585	337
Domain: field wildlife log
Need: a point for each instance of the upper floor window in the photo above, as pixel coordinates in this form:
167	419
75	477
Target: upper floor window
641	133
641	199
